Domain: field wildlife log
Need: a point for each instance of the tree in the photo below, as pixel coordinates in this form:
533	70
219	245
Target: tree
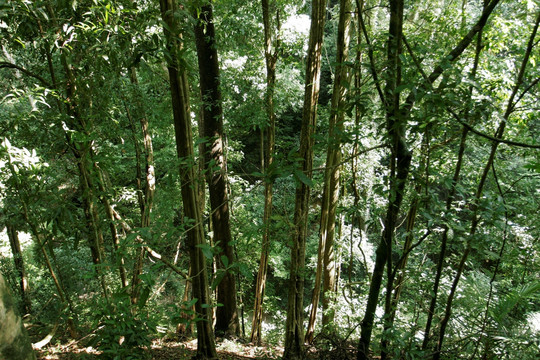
326	267
216	166
294	332
271	51
184	145
14	342
397	117
19	265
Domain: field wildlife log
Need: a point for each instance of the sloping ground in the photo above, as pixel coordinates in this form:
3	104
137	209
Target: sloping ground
227	350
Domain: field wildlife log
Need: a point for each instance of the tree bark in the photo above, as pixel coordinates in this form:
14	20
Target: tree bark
14	341
227	321
325	263
294	333
188	176
400	160
19	266
271	51
474	204
383	250
148	186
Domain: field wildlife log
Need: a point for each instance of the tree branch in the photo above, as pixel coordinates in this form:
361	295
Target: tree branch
8	65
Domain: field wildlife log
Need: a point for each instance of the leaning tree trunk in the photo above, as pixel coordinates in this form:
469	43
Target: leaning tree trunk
449	201
14	341
294	332
403	162
474	205
184	145
326	267
216	164
271	51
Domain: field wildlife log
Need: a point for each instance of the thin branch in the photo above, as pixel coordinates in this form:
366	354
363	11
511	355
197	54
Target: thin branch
415	245
8	65
456	116
489	137
525	91
371	59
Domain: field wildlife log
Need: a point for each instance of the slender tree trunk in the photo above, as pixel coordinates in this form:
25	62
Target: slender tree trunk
83	153
341	85
449	201
444	240
19	266
37	237
294	333
188	176
147	186
15	344
402	160
399	168
216	163
326	267
474	205
114	233
271	52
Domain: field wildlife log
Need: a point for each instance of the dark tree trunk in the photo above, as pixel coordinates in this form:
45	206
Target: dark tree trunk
184	145
400	159
227	321
474	204
19	266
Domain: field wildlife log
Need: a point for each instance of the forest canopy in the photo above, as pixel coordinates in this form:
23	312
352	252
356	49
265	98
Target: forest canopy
332	179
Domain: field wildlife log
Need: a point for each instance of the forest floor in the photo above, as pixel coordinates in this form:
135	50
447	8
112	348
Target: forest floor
177	350
165	350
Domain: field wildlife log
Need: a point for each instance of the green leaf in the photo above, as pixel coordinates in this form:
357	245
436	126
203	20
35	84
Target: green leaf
225	260
303	177
145	294
207	250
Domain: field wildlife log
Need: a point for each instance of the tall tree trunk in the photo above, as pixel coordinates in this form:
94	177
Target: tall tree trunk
14	341
19	266
400	159
294	333
325	262
114	233
83	152
23	198
271	51
474	205
147	186
184	145
216	164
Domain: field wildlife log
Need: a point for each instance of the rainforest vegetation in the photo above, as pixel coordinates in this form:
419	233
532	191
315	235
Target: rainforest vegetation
296	179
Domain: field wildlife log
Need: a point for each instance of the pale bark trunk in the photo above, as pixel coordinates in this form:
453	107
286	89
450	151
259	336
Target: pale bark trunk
14	341
271	52
294	332
326	268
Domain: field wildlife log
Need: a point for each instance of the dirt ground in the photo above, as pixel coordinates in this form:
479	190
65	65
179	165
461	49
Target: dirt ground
227	350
